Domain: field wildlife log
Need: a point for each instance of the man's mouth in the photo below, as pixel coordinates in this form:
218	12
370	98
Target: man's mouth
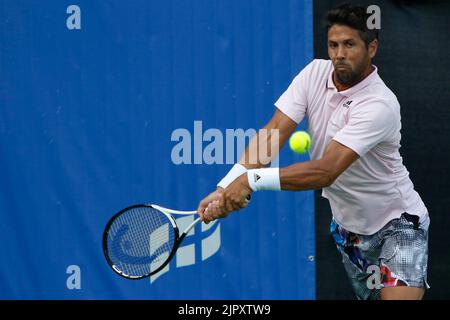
341	66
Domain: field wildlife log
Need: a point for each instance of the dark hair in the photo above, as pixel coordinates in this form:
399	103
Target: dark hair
354	17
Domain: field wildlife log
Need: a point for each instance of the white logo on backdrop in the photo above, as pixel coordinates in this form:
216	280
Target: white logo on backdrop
186	254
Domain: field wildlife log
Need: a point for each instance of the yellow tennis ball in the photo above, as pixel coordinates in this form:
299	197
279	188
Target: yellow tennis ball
300	142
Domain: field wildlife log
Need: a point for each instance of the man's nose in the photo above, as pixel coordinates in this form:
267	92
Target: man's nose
340	54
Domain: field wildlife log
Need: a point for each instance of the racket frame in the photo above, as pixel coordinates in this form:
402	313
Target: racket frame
177	241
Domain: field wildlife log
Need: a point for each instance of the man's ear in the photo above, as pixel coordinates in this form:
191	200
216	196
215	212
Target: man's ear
373	47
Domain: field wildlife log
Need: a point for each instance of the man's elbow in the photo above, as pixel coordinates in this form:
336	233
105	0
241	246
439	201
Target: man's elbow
327	181
329	175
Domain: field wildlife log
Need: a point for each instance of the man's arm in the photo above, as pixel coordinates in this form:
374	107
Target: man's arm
307	175
250	158
279	123
320	173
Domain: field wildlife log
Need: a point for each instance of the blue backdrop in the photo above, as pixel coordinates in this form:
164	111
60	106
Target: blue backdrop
90	97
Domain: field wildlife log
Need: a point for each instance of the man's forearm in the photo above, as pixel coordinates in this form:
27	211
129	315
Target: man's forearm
262	149
267	143
305	176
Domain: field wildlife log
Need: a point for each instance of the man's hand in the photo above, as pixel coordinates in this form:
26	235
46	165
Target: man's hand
233	198
213	197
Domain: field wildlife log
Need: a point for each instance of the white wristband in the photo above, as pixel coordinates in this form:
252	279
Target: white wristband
237	170
264	179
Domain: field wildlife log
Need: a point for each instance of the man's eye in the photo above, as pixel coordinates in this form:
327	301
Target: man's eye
350	44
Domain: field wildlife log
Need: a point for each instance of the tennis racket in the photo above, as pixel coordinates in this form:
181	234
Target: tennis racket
140	240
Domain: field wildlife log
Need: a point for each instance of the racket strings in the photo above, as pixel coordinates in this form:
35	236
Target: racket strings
140	241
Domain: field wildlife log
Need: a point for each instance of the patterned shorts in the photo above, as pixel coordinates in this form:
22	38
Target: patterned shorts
396	255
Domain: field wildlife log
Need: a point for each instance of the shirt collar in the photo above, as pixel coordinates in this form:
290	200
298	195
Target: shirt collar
360	85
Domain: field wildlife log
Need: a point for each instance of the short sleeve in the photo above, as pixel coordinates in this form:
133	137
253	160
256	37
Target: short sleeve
293	101
367	126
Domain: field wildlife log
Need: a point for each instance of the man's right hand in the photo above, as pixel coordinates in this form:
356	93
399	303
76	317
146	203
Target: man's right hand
213	196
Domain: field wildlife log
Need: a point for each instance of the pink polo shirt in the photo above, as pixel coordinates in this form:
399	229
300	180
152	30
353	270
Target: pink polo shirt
376	188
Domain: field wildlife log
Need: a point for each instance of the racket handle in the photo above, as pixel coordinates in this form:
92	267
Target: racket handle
189	228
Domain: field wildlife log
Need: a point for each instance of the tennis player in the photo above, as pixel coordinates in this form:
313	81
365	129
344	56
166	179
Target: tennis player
379	221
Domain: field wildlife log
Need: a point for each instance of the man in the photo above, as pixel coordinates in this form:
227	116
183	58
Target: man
379	221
